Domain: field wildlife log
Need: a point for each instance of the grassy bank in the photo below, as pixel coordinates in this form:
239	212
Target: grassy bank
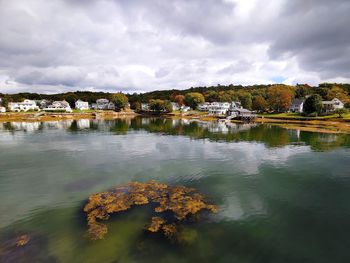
296	116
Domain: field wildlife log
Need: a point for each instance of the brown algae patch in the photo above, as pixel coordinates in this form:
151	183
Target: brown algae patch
22	240
182	201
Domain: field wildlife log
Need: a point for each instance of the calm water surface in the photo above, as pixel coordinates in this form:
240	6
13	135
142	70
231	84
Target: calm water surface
283	195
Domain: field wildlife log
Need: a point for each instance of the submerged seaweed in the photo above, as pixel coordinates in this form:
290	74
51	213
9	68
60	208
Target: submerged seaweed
181	201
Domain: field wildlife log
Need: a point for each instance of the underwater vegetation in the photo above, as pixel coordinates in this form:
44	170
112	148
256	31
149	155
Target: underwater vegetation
25	248
182	202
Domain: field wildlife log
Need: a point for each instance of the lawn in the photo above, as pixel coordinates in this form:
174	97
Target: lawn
298	116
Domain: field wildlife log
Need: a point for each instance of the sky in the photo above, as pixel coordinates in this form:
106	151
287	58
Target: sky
138	46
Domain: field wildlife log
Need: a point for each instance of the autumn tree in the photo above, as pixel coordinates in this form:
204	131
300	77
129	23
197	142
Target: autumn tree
259	104
136	105
192	99
279	97
339	93
160	106
120	100
313	104
180	100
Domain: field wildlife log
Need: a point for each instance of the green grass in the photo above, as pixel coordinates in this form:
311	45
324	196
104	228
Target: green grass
298	116
82	111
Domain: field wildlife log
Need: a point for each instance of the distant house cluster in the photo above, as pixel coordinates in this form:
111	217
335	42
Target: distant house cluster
328	106
231	110
56	106
174	105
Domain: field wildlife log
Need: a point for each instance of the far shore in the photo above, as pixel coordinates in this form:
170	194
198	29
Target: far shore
55	116
324	125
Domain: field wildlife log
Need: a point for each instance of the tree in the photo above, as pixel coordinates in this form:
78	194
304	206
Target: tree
246	100
259	103
160	105
339	93
313	104
180	100
211	96
302	90
192	99
120	100
279	97
340	112
136	105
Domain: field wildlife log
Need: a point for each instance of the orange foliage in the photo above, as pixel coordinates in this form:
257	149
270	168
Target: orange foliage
280	97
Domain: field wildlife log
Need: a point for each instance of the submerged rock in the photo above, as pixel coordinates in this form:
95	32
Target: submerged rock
182	202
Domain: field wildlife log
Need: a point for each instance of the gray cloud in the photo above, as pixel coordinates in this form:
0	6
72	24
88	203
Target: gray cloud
136	45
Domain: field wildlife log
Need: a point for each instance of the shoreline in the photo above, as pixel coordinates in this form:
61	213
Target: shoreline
51	116
334	125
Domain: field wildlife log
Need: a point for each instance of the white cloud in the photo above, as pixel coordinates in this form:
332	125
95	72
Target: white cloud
111	45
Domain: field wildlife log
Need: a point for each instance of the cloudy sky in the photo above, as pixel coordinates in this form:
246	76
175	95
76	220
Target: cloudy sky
133	45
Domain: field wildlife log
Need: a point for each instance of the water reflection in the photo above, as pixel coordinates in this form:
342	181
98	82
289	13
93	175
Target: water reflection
271	136
279	200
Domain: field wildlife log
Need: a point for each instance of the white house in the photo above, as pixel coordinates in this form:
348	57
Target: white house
175	106
203	106
297	105
103	104
81	105
44	103
185	108
2	109
59	106
144	106
236	105
329	106
219	108
26	105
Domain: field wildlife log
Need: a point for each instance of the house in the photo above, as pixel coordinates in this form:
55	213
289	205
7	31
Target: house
103	104
185	108
236	111
2	109
240	113
144	106
59	106
297	105
26	105
81	105
236	105
44	103
219	108
203	106
329	106
175	106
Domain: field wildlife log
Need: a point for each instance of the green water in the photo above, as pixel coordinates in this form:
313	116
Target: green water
283	195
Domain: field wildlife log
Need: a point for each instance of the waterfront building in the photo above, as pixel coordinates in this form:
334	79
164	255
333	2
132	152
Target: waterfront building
81	105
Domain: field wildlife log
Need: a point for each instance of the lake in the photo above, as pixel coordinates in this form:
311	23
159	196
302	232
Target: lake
283	195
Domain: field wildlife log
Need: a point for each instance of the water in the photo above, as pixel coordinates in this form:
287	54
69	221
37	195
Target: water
283	195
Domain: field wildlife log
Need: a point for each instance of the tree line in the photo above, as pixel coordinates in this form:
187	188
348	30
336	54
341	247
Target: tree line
273	98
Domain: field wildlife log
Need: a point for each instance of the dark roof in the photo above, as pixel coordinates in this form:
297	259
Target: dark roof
297	102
